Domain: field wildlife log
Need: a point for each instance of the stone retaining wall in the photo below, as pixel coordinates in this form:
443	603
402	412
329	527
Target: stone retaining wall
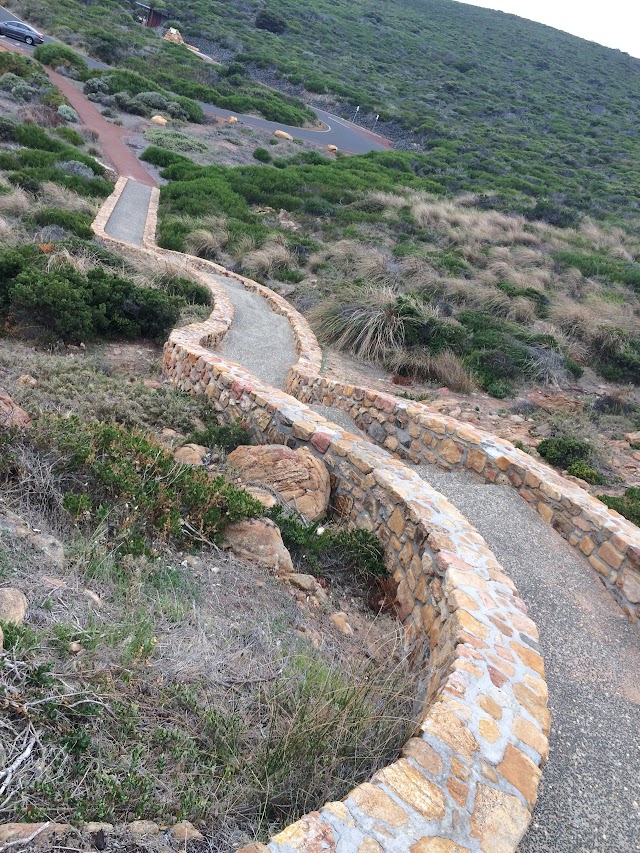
409	430
468	778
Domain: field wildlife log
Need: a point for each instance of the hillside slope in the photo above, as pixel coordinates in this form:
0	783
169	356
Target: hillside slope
502	103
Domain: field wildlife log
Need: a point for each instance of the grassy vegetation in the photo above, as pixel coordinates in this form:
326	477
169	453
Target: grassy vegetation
168	702
433	288
110	33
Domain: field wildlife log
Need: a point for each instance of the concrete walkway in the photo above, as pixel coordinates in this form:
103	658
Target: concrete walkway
129	216
590	790
589	798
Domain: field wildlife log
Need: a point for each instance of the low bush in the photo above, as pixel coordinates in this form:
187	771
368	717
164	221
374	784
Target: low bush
70	135
627	504
563	451
585	472
68	113
262	155
223	436
78	224
77	307
116	477
56	55
354	553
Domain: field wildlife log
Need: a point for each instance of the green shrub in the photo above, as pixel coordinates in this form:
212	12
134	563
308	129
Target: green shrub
585	472
70	135
135	485
358	552
76	223
76	307
223	436
600	265
627	504
262	155
269	19
55	55
563	451
68	113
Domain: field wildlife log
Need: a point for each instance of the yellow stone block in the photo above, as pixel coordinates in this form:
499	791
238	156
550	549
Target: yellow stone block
413	788
378	805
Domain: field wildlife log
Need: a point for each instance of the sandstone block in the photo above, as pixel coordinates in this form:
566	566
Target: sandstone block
499	820
518	769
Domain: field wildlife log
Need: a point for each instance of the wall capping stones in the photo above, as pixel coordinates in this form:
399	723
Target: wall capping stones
467	780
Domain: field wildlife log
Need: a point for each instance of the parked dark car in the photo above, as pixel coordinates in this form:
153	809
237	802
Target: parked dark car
21	32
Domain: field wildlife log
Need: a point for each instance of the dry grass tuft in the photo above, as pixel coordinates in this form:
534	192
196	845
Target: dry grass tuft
419	364
209	239
53	195
272	256
15	203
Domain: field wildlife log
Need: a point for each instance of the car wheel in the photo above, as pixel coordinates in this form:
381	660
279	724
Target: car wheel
28	40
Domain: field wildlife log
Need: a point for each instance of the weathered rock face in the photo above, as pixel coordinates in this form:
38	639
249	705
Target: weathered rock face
296	475
258	539
13	605
12	415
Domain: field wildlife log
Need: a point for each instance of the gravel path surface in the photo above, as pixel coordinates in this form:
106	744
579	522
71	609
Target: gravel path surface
259	339
130	213
590	791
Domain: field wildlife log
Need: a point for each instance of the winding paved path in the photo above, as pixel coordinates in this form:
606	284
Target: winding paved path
590	792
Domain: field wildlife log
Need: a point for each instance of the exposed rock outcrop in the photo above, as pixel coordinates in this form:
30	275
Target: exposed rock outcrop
297	476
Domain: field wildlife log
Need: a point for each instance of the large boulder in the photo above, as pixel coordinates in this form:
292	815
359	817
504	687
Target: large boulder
297	476
258	539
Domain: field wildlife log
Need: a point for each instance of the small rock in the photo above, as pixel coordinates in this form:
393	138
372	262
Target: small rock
97	826
26	381
185	831
152	384
11	415
258	539
12	833
51	547
13	605
75	648
307	583
632	437
93	597
58	583
143	827
191	454
339	619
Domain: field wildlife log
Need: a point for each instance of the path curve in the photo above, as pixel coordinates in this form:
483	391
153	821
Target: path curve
590	791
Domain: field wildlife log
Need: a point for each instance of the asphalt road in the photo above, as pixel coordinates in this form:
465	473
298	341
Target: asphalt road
345	135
